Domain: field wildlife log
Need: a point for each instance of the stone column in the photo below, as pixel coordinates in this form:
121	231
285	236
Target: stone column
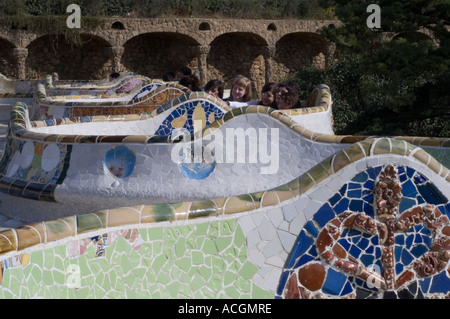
269	56
331	51
117	52
20	55
202	63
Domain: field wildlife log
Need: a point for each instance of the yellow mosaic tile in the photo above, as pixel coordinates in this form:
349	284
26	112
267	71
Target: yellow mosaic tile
28	236
157	213
202	208
340	160
91	222
60	228
7	241
306	182
269	198
422	156
124	216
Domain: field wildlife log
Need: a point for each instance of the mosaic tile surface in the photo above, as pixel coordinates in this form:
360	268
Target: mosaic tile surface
144	98
335	257
311	235
206	260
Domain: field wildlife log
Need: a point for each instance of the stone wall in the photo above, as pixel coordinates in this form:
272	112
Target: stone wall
263	50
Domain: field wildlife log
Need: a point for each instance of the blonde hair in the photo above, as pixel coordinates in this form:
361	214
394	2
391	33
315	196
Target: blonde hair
243	82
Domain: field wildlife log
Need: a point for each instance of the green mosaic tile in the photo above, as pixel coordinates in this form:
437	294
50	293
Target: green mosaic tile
47	277
194	261
213	230
209	247
146	249
135	258
205	272
155	233
208	293
222	243
230	254
185	292
229	277
174	289
202	229
184	263
90	252
197	282
215	283
232	292
227	227
122	245
158	263
129	280
180	247
59	277
243	285
219	265
37	258
169	252
248	270
197	258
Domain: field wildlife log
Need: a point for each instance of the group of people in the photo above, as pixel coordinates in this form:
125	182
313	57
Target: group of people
281	96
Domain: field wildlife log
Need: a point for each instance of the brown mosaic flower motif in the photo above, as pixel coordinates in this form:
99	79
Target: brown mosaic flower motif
388	194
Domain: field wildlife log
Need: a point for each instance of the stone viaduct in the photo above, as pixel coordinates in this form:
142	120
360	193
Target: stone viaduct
263	50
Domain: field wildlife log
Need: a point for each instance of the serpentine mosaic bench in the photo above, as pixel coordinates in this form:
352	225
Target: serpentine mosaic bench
115	88
94	213
12	91
141	99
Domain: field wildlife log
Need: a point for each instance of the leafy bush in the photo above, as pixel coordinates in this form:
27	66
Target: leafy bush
247	9
374	104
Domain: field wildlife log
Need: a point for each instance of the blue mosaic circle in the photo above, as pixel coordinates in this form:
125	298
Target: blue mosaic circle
120	161
194	166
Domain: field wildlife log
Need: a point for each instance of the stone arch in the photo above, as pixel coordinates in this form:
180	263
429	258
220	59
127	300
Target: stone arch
272	27
238	53
53	53
154	54
204	26
295	50
117	25
7	59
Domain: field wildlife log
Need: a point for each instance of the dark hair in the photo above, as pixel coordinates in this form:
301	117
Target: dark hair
269	87
169	76
114	75
289	98
191	82
215	84
185	70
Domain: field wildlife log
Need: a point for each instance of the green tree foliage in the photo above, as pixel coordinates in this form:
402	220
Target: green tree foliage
251	9
399	76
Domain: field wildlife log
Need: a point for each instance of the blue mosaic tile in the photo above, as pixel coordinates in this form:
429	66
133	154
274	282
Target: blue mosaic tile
361	177
342	206
406	203
356	205
440	283
333	200
431	194
409	189
323	215
311	228
334	282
